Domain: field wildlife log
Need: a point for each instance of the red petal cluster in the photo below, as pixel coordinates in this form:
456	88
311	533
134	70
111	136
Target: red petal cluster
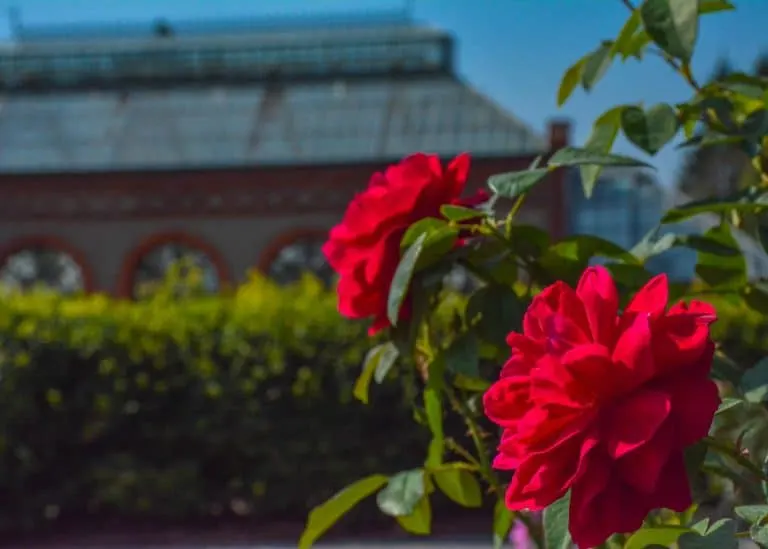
364	249
604	403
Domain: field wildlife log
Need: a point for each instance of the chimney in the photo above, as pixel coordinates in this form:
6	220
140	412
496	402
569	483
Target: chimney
559	137
559	134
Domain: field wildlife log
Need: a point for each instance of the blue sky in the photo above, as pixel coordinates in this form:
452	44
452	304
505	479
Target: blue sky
512	50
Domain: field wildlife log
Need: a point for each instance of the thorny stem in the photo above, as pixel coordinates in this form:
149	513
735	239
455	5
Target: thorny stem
733	453
513	213
463	452
485	468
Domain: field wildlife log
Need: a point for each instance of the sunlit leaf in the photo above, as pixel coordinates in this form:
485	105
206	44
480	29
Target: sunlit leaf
378	362
719	270
502	522
570	80
419	522
576	156
555	519
402	493
655	535
460	213
596	65
728	404
673	25
322	517
513	184
652	129
402	280
604	133
460	485
751	513
623	41
721	535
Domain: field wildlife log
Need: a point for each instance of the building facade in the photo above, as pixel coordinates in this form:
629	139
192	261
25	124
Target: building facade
626	204
238	145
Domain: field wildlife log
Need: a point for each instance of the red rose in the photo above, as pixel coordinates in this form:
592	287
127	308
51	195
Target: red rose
364	249
604	403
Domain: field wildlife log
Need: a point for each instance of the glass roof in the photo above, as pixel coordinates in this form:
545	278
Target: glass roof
221	126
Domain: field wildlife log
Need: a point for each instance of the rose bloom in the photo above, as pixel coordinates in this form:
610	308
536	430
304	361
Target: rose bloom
364	249
604	403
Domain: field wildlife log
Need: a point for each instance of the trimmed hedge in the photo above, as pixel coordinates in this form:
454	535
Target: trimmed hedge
184	408
176	409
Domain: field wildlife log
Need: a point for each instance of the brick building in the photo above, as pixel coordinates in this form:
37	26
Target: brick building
238	143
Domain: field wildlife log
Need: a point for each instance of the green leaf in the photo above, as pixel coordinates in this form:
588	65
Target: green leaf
652	129
402	493
460	213
378	362
596	65
568	258
604	133
673	25
419	522
655	535
759	534
721	535
727	404
575	156
714	6
460	485
495	310
502	522
570	80
440	239
513	184
715	206
433	407
427	225
624	39
719	270
756	297
629	275
751	513
555	520
754	382
325	515
636	46
725	369
471	384
402	280
462	355
652	244
694	456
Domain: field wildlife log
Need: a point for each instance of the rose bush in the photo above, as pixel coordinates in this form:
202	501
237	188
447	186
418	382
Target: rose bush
607	406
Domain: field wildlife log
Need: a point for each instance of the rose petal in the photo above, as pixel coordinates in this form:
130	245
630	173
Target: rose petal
642	467
695	400
651	298
633	351
601	303
507	400
634	422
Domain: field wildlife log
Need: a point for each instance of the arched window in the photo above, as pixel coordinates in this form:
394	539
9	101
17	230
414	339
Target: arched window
174	262
296	253
45	262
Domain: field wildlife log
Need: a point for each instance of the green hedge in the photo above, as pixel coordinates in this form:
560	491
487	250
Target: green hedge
176	409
